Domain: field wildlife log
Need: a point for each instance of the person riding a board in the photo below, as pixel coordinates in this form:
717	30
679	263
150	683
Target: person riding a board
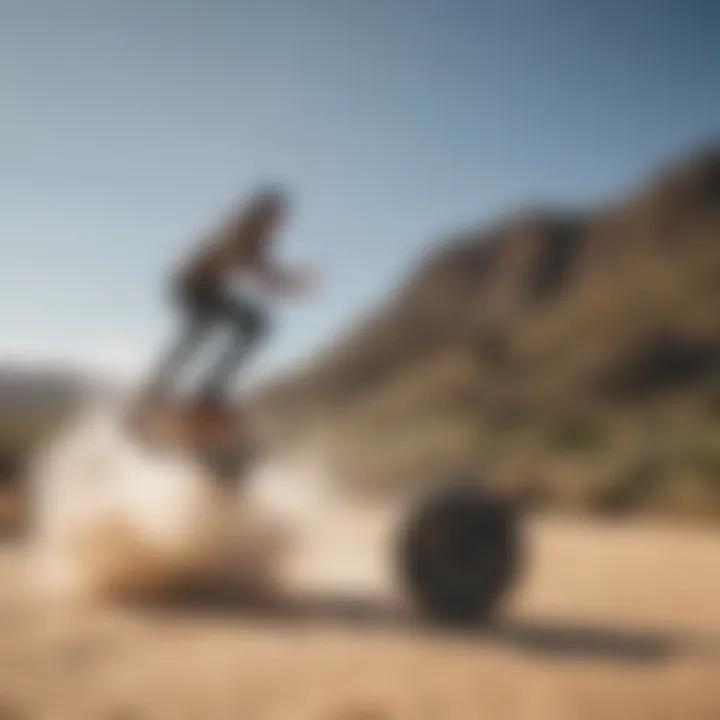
239	250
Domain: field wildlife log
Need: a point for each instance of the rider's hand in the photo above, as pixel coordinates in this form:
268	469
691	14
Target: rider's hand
302	281
289	281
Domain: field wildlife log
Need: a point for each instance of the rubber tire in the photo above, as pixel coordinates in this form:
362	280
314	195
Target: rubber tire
458	553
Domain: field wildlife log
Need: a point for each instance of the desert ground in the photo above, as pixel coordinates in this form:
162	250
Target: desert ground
610	620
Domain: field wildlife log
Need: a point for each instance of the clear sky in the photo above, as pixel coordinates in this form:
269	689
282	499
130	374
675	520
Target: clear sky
126	126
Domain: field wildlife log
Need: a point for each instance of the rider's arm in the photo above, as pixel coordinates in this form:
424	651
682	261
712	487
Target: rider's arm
286	281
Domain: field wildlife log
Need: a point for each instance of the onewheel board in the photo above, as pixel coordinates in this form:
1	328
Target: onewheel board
214	437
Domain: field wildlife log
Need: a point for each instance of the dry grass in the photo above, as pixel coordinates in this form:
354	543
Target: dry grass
12	513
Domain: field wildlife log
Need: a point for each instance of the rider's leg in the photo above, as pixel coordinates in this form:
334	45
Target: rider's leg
200	310
179	354
250	324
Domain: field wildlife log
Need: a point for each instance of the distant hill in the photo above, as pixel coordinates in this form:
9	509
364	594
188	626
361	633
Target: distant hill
546	330
33	400
42	389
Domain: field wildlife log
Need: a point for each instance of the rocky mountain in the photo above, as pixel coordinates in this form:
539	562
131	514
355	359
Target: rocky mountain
607	318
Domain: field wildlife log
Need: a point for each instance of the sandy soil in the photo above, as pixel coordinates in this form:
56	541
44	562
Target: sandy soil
610	621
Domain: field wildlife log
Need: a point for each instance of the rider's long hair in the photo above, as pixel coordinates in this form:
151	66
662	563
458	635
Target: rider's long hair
250	226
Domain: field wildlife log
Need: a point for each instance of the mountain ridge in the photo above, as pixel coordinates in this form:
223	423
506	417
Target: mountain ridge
540	318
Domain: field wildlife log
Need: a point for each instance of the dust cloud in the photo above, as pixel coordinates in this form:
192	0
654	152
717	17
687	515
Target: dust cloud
112	519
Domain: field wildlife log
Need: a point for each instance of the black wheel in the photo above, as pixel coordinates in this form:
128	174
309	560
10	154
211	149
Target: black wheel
459	553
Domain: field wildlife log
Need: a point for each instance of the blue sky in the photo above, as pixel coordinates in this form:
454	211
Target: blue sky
127	126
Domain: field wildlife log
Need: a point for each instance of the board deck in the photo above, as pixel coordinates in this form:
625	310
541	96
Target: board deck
216	438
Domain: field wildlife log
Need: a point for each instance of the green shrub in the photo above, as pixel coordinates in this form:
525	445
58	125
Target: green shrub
575	434
707	464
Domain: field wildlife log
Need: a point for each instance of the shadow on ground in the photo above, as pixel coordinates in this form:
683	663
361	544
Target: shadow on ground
552	639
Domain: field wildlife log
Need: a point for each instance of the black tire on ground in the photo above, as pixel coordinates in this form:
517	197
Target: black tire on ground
459	553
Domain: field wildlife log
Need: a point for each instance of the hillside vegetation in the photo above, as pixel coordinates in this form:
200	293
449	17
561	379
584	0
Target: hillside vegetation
575	356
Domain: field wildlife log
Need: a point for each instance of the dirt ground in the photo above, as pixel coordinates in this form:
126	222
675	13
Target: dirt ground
611	621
